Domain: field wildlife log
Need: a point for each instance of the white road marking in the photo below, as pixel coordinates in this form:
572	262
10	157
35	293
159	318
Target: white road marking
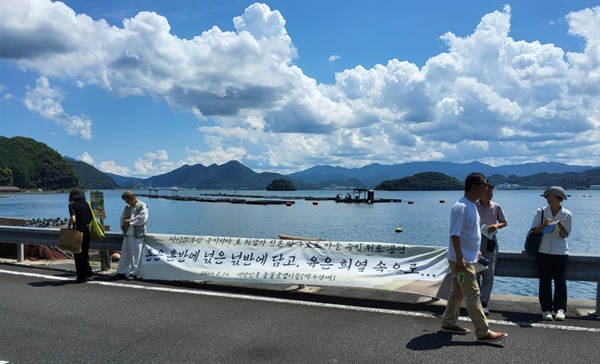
302	303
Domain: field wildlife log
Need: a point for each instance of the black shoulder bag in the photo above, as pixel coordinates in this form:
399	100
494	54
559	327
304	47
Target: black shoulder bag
533	239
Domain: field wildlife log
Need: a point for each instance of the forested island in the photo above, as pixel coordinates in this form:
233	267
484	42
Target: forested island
426	181
281	185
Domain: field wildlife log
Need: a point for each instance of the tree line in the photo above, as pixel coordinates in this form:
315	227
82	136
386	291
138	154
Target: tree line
29	164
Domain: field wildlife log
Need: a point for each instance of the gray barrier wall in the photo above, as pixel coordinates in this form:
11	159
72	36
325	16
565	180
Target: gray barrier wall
509	264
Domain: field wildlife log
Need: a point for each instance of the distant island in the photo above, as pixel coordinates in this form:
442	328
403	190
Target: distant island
426	181
281	185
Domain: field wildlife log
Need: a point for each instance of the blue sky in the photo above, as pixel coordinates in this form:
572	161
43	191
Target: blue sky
139	88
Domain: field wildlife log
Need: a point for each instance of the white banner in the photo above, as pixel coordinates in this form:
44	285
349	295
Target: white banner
406	268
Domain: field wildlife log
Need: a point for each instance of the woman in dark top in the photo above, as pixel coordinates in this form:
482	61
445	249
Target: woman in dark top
81	216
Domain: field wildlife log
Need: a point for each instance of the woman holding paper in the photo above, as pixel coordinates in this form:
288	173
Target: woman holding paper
553	253
133	224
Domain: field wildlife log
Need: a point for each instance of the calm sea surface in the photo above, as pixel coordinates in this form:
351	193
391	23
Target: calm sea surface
424	222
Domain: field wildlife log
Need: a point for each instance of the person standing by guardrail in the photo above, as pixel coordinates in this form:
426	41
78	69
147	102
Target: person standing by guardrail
133	224
492	218
81	216
463	253
553	253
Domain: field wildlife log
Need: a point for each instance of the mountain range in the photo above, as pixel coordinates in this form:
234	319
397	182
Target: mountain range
26	163
234	175
375	173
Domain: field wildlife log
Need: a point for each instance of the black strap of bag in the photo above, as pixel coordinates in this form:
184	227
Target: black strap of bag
533	239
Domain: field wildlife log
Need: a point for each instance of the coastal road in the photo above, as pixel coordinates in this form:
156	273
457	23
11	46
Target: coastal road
47	318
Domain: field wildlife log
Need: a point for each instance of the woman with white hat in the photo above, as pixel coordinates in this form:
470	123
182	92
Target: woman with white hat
555	223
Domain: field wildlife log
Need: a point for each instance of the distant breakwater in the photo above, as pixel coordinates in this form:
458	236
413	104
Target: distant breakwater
234	199
264	199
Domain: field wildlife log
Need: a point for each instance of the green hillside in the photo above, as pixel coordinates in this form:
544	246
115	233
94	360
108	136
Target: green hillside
568	180
90	177
231	175
28	164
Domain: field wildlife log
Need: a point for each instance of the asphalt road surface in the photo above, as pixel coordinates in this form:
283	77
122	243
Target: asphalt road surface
45	317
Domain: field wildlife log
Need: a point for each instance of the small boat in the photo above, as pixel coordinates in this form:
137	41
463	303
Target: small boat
362	195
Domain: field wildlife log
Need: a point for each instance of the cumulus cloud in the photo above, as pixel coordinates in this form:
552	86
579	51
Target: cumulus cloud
113	167
488	95
46	101
87	158
217	155
154	163
7	97
333	58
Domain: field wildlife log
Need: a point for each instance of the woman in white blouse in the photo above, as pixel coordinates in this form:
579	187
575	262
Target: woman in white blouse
555	222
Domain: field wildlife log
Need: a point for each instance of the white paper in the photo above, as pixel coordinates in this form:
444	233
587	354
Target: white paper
480	267
486	233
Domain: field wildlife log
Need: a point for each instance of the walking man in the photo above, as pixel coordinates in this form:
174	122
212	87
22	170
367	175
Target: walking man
463	253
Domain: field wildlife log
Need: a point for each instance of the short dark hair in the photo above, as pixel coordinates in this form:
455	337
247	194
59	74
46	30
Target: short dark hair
77	194
474	178
127	194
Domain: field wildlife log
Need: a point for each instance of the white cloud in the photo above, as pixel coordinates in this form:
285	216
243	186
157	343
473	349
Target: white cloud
6	96
584	23
114	168
87	158
334	58
154	163
488	95
217	155
46	100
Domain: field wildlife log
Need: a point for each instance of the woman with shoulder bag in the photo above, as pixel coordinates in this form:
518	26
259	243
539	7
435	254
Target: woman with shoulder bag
553	253
81	216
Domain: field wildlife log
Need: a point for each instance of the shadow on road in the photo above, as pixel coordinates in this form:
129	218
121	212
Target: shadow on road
51	283
438	340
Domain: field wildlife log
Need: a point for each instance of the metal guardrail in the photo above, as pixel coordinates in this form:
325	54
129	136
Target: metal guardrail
49	236
509	264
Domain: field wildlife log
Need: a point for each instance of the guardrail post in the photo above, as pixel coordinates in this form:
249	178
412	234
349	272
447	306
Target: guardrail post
104	260
104	254
20	252
597	312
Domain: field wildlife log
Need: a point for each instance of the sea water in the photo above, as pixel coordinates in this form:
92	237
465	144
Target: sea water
423	221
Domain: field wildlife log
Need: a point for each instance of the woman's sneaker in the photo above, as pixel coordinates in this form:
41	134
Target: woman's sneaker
560	315
547	316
